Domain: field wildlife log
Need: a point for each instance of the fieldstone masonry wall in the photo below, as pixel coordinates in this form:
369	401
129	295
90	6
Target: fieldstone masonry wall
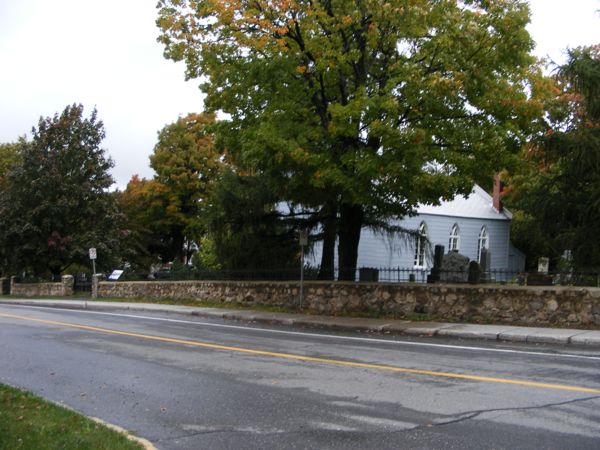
5	286
63	288
499	304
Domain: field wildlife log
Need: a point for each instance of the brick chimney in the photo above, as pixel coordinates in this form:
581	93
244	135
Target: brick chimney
497	193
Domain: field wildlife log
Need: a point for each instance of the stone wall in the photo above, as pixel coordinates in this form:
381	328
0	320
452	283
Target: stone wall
525	305
63	288
5	286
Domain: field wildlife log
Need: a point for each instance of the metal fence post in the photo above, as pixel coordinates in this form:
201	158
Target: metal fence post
303	239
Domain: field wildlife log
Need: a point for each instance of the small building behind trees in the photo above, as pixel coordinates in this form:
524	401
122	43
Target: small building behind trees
466	224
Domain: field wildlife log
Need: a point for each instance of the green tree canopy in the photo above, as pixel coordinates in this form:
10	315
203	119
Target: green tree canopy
246	228
164	214
55	205
557	193
140	243
9	156
363	108
186	163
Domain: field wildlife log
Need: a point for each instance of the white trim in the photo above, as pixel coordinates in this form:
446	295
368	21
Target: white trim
454	239
483	241
477	205
420	256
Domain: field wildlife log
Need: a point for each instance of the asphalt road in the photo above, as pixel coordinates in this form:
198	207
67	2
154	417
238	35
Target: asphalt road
186	383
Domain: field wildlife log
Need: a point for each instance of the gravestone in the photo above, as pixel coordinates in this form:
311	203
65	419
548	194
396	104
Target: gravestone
438	259
474	273
368	274
539	279
485	261
454	268
543	265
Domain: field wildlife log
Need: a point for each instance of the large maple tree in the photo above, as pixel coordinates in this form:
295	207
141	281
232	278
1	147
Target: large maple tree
361	109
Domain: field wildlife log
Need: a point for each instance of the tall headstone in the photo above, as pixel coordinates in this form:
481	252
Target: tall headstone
438	256
438	259
484	262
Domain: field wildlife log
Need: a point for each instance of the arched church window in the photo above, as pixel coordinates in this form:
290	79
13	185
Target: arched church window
420	260
454	241
483	242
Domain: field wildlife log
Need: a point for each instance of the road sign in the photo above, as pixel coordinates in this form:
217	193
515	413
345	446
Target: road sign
92	253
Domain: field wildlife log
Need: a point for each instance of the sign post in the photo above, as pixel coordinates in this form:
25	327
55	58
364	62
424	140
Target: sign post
93	258
303	238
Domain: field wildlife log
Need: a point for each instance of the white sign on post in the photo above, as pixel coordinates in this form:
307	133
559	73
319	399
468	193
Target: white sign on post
92	253
114	276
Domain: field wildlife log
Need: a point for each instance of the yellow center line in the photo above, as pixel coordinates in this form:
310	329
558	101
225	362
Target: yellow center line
290	356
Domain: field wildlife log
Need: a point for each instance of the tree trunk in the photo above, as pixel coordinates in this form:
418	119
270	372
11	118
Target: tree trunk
327	269
55	271
177	244
351	220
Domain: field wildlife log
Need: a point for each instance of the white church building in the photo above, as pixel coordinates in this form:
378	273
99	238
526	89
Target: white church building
466	224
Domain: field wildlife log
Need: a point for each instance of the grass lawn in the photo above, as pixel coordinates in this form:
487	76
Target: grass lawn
31	423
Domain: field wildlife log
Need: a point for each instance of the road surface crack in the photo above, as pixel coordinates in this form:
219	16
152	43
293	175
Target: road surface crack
457	419
472	414
221	430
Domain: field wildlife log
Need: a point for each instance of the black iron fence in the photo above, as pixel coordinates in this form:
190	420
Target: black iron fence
82	282
222	275
375	274
498	276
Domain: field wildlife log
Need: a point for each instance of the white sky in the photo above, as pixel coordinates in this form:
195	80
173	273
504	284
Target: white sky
105	54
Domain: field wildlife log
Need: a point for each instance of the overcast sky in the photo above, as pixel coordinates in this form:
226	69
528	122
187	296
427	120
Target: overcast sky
104	54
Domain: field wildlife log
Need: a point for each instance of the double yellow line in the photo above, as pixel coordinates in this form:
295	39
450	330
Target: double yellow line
290	356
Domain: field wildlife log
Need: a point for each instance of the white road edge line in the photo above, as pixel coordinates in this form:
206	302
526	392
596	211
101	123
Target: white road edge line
317	335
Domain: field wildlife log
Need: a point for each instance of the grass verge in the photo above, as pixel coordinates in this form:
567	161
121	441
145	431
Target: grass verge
28	422
203	303
207	303
413	317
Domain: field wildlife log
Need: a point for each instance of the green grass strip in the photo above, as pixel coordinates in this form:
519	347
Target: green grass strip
30	423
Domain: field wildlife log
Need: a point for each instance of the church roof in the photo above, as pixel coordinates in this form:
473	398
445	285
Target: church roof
478	205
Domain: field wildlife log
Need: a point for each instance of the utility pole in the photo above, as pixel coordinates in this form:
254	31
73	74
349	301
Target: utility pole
303	238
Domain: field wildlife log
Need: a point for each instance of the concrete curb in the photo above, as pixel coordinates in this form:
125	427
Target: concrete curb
144	443
588	338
